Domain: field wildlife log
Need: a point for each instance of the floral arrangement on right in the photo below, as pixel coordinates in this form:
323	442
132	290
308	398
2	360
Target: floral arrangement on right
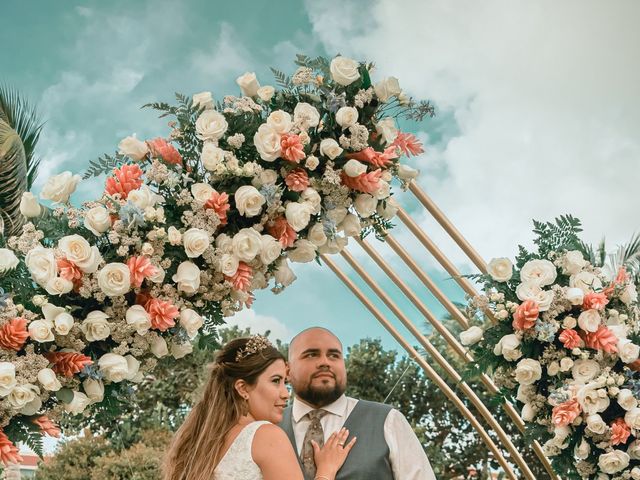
559	333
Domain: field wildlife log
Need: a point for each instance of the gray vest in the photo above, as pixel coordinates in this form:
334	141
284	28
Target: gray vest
369	458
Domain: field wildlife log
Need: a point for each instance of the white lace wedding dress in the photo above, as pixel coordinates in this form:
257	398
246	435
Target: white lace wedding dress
237	463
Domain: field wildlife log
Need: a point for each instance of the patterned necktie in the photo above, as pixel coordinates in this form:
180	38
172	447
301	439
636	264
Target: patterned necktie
314	432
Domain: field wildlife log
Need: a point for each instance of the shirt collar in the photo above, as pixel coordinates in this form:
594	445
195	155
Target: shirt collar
300	409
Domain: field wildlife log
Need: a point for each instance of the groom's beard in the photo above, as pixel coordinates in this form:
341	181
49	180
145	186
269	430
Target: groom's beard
319	397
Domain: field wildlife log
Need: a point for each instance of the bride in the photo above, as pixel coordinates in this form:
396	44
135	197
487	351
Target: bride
230	433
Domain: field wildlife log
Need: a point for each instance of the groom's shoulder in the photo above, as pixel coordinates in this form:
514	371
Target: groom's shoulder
370	405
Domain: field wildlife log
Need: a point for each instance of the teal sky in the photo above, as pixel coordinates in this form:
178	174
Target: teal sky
89	66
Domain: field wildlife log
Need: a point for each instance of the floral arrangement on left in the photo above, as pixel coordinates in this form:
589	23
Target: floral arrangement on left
187	227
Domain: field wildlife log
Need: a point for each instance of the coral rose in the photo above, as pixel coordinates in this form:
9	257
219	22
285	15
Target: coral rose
620	432
565	413
526	315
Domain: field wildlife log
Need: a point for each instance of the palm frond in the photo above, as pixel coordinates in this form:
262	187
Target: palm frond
24	119
13	178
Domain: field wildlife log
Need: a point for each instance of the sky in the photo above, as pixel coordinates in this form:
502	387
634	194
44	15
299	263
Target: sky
537	111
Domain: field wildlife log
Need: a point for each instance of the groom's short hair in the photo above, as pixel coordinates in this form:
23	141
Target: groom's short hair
293	340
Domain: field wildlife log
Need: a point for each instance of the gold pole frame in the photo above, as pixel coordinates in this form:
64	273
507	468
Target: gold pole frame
515	456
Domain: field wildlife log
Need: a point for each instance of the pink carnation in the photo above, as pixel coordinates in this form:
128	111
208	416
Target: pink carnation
297	180
291	147
140	268
162	314
526	315
565	413
161	148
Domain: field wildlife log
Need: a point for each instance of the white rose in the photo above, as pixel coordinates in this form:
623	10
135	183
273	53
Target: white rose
634	450
133	148
569	322
187	277
613	462
80	252
334	245
114	279
191	322
159	347
528	412
267	142
94	389
58	286
596	424
8	260
316	235
626	399
270	249
471	336
114	367
347	117
500	269
202	100
211	125
585	370
7	378
246	244
63	323
573	262
406	173
268	177
266	93
539	272
79	402
97	220
628	351
284	275
566	364
280	121
632	418
42	264
41	331
330	148
365	205
337	215
306	115
508	347
179	350
312	198
211	156
350	225
174	236
388	209
138	317
528	371
629	295
249	201
297	215
59	188
387	88
248	84
49	380
585	281
593	398
133	369
143	197
202	192
574	295
589	320
22	394
384	191
344	71
303	251
582	450
195	242
29	206
525	393
553	368
530	291
95	326
51	311
229	264
353	168
387	129
311	162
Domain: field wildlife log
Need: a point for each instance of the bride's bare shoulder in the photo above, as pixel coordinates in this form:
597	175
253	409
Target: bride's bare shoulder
273	453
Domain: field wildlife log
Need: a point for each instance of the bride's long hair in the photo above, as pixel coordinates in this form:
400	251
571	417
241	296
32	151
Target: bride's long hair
196	448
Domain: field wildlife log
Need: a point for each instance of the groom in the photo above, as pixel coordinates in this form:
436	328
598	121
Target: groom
386	447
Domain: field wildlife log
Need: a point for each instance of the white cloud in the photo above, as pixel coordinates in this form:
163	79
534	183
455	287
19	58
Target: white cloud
544	95
259	324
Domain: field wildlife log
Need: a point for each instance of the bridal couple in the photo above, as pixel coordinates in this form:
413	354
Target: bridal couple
242	429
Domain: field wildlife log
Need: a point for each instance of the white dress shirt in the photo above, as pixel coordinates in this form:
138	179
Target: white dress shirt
407	457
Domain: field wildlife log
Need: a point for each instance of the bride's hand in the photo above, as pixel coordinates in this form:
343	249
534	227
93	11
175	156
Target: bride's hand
332	455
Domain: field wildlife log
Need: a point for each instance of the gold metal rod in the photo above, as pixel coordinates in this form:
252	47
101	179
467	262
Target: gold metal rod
436	252
429	371
442	219
452	341
444	364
